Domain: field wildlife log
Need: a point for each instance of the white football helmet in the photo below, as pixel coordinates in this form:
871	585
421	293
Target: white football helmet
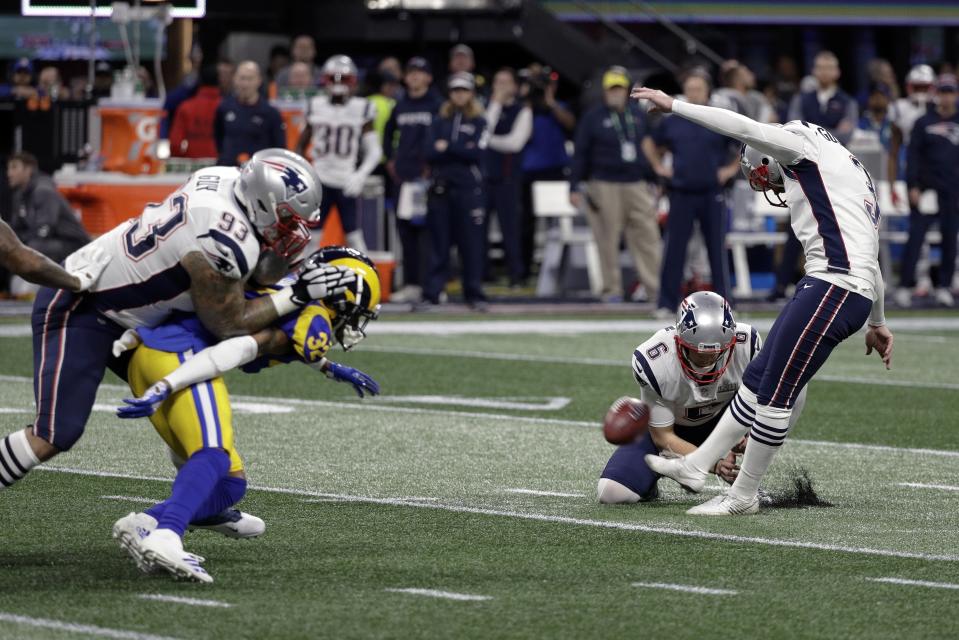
763	173
280	192
705	326
339	75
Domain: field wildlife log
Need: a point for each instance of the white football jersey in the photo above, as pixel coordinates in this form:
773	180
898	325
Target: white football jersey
337	132
904	112
673	397
834	211
145	281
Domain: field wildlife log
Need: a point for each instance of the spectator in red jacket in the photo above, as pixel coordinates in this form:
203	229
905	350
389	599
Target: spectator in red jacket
191	135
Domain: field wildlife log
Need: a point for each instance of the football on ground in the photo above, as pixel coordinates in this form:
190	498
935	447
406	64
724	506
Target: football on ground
626	420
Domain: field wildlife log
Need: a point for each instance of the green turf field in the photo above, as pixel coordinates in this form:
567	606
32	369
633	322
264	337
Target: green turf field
475	474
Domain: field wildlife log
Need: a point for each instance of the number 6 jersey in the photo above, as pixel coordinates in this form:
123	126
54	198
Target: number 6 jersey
145	281
337	131
672	396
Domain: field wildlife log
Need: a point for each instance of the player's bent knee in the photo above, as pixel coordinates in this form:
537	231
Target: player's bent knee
611	492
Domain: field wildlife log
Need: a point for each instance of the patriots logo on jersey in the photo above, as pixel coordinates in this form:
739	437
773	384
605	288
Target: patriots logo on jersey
220	263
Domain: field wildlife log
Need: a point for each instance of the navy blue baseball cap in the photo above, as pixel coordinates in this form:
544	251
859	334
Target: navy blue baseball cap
419	63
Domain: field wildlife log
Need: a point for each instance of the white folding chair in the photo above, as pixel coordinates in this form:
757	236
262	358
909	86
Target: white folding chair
551	201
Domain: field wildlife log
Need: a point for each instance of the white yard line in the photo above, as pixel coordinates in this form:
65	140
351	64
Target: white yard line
916	583
193	602
540	517
686	588
920	485
534	492
604	362
131	499
71	627
433	593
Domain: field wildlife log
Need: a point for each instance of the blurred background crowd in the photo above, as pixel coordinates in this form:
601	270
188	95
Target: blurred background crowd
491	175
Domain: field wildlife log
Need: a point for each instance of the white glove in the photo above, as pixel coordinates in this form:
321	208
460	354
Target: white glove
86	264
319	281
129	340
354	185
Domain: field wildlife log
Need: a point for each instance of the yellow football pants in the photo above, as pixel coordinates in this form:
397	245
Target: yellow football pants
191	419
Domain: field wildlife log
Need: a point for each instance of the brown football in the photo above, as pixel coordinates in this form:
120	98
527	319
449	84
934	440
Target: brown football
626	420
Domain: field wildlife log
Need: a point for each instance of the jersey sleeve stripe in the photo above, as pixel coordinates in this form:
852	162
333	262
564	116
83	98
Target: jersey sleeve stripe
648	370
161	286
752	343
810	181
232	245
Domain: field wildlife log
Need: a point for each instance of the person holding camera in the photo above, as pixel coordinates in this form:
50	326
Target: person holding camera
510	123
455	204
544	157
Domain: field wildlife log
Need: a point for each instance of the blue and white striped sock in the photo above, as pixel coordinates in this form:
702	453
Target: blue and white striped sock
732	426
765	437
16	458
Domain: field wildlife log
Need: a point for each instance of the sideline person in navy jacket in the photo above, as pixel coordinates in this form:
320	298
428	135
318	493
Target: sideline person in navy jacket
405	149
245	122
455	209
933	163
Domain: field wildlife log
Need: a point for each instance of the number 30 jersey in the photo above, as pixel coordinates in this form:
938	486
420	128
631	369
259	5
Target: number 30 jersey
673	397
337	131
145	281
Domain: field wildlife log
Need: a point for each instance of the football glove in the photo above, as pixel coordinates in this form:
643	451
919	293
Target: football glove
129	340
354	185
319	281
360	381
86	264
146	405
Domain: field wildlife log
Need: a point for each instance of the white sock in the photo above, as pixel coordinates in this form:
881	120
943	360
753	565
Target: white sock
355	240
732	426
765	438
16	458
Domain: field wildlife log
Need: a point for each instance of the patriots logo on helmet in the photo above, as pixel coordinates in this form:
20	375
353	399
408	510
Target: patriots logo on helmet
689	319
728	322
293	181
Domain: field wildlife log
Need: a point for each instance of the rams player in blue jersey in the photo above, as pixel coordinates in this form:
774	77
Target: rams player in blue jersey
176	370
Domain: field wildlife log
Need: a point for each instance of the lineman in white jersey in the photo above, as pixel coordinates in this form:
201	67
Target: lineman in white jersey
834	213
194	251
904	112
338	125
688	374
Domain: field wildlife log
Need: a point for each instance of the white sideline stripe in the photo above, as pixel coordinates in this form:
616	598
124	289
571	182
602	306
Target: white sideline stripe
920	485
916	583
606	524
131	499
534	492
605	362
433	593
591	424
551	327
686	588
195	602
88	629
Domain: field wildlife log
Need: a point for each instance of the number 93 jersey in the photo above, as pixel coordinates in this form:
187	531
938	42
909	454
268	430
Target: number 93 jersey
337	131
145	281
672	396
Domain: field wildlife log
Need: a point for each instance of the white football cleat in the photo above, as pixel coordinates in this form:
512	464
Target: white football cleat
725	505
944	297
676	469
903	297
129	531
163	549
233	524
